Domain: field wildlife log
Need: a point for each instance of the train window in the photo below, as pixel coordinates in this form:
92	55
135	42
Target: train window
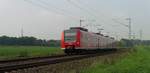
70	35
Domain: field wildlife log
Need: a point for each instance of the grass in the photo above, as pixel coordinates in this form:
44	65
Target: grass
135	62
13	52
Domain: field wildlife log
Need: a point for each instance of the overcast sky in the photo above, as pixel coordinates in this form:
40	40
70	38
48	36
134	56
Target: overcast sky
46	19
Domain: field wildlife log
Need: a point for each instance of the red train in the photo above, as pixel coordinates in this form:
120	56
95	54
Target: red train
78	40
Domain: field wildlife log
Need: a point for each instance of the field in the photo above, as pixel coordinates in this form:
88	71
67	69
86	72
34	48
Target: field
13	52
137	61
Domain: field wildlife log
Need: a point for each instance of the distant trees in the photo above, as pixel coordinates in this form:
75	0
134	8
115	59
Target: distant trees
32	41
130	43
28	41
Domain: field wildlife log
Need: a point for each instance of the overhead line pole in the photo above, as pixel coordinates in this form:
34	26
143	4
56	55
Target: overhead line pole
22	32
81	22
129	26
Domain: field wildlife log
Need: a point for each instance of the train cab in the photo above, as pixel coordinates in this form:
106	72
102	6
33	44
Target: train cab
71	38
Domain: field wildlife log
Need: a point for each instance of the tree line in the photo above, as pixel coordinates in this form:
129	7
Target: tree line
133	42
32	41
28	41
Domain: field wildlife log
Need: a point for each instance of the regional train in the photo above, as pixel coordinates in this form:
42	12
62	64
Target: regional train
79	40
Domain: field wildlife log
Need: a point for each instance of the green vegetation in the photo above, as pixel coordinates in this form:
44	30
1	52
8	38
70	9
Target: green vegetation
136	62
27	41
13	52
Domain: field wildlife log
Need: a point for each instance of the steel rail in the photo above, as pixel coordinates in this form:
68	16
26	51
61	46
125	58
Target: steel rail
6	66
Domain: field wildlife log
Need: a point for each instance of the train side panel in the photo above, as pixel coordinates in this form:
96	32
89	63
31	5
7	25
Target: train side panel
94	41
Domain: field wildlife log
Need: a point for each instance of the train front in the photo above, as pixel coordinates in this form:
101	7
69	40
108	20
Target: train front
70	40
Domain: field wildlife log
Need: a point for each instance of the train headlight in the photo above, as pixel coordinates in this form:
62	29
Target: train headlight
78	43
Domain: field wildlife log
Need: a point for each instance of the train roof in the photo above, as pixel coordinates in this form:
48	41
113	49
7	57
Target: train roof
80	28
106	36
84	29
112	38
99	34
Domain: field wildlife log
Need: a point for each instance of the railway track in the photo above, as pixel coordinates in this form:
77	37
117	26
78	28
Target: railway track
7	66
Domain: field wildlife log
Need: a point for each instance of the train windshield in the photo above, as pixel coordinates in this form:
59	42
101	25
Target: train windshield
70	36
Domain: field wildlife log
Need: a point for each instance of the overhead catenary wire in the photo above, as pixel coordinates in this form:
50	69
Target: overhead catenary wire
46	6
59	9
56	10
87	11
85	5
94	10
81	8
120	23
